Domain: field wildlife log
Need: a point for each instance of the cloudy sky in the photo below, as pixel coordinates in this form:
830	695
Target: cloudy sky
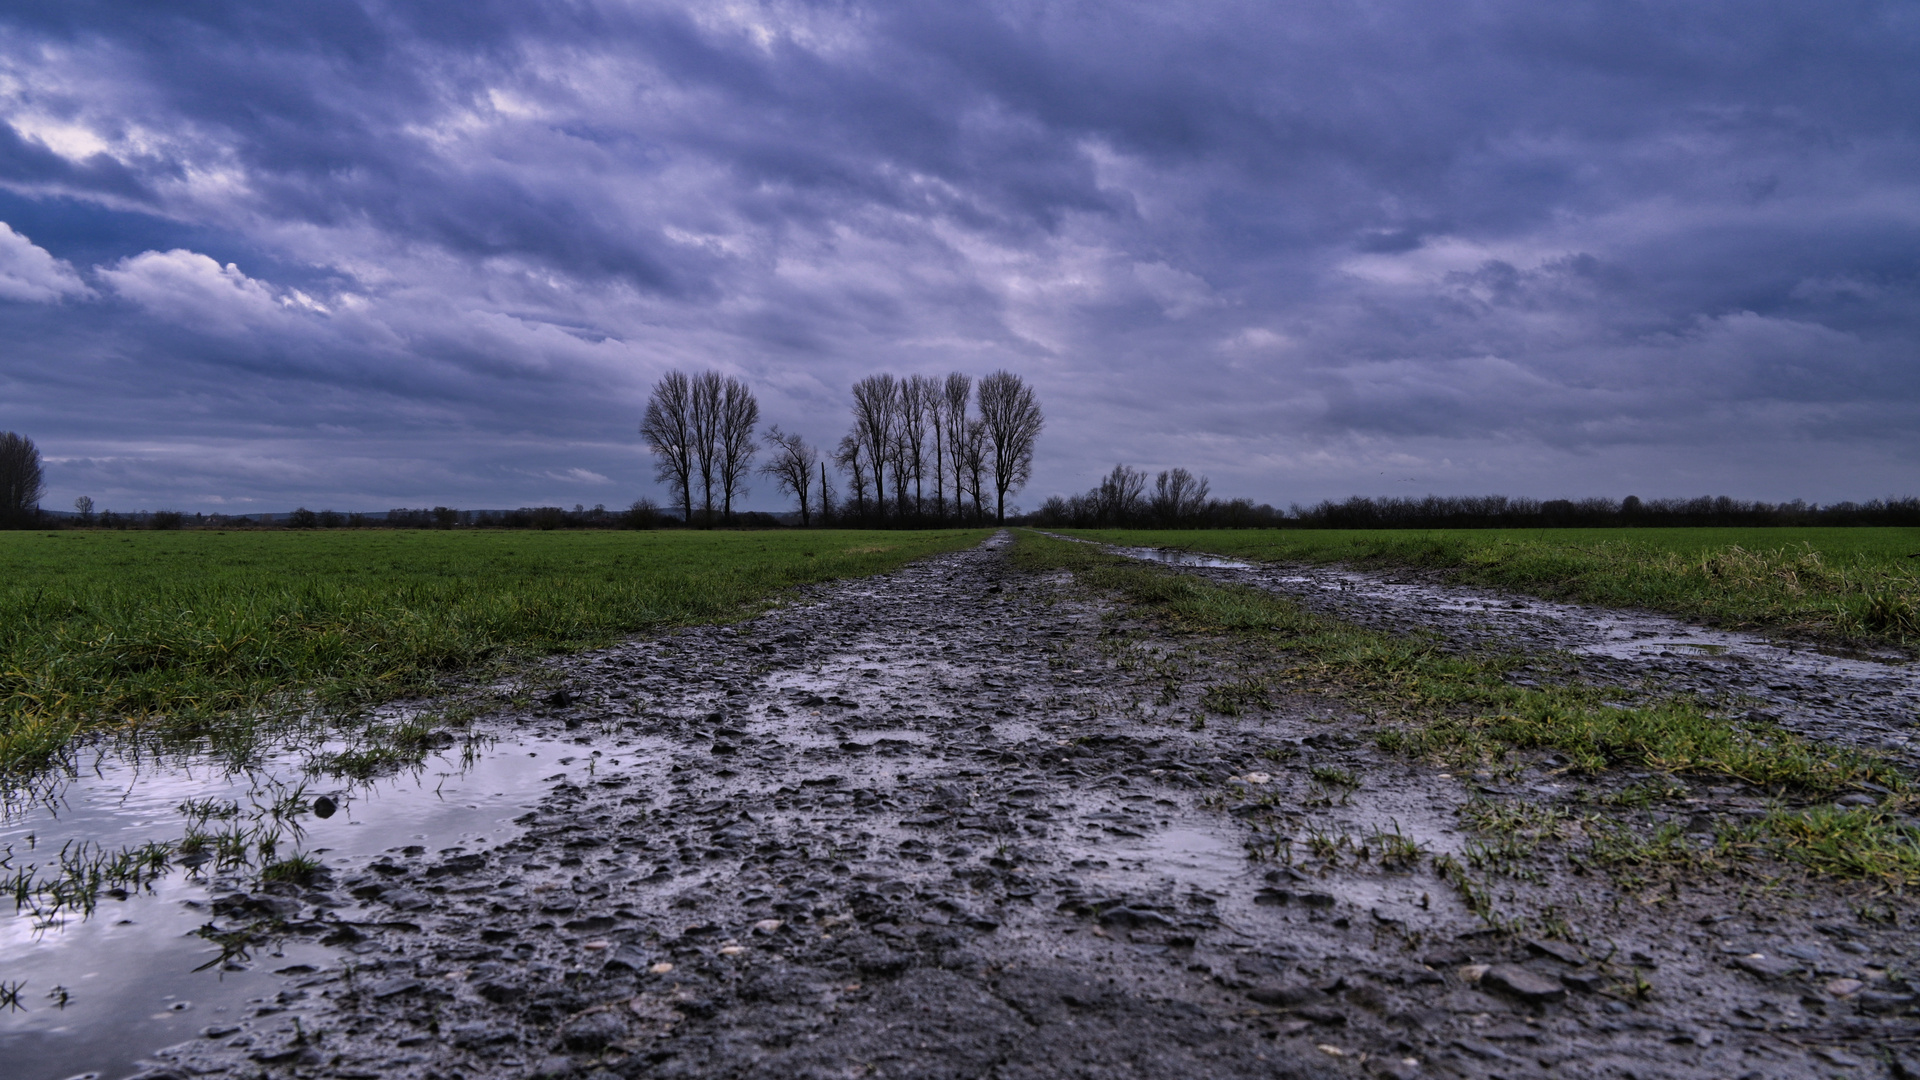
374	253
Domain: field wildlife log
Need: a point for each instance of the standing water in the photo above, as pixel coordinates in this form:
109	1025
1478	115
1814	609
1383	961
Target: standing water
94	978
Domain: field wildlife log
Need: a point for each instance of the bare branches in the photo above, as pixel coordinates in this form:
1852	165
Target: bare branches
739	415
792	468
709	387
851	455
956	392
1178	497
1121	494
919	398
876	412
1013	420
668	429
905	432
701	428
973	462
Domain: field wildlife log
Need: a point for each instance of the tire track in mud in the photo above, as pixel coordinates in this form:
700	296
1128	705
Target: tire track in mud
964	821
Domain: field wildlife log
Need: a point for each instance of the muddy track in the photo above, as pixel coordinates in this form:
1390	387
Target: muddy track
1864	698
963	821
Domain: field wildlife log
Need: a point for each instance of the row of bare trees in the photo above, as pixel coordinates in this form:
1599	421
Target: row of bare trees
700	429
926	450
1122	498
922	450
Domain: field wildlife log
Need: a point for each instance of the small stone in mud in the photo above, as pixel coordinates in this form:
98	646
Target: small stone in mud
1764	966
593	1031
395	987
1523	984
1843	987
1882	1001
324	807
628	957
1587	982
1559	950
1133	918
1286	995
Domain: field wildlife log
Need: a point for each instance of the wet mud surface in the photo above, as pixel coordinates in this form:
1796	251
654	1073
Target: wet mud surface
967	821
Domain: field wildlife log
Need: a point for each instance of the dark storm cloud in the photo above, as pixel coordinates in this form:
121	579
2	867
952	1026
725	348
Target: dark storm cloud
393	252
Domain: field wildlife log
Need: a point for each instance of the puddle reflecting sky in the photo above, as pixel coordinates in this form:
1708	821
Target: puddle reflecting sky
128	971
1180	558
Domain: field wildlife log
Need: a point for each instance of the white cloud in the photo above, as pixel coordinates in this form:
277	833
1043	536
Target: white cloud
29	272
189	288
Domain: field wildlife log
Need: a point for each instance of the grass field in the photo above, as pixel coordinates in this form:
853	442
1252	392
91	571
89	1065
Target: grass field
1846	584
184	633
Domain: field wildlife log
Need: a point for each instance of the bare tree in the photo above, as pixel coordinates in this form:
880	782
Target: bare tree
958	392
1121	495
668	429
84	507
22	481
876	408
937	424
1177	496
851	455
826	496
792	468
734	442
709	392
919	400
1012	416
900	460
972	463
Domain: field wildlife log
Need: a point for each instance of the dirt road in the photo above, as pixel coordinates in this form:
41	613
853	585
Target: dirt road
963	821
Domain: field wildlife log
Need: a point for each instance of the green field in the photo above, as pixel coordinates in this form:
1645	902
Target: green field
1853	584
182	634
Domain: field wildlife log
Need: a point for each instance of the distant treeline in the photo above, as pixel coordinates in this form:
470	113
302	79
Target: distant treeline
641	515
1177	499
1503	512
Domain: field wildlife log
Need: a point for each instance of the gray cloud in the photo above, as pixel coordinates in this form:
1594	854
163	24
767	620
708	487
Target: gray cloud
372	255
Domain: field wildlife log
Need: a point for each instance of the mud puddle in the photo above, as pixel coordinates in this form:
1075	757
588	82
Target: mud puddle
98	979
1172	557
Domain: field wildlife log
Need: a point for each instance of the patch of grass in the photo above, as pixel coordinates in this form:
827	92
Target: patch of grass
192	634
1335	777
1235	698
1847	842
1529	820
1643	796
298	869
1476	894
1666	845
1397	849
1838	583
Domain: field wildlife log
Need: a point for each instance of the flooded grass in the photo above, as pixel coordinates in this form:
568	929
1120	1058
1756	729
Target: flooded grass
1846	584
190	635
1462	710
